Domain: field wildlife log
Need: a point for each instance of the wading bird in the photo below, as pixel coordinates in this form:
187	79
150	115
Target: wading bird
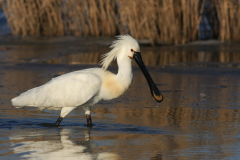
87	87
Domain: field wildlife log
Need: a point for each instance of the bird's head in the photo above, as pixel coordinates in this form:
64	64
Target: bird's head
122	49
126	48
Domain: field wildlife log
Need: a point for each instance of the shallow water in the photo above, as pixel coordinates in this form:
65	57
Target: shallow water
198	119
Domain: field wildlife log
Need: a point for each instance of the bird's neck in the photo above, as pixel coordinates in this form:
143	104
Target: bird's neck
125	74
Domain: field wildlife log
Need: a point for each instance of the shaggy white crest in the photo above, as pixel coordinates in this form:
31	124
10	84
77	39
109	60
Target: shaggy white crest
107	58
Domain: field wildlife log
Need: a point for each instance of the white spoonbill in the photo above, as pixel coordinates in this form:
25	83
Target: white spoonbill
87	87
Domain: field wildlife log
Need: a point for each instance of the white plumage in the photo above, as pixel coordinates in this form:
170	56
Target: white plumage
69	90
87	87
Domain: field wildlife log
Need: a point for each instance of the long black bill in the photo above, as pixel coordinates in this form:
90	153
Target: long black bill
154	90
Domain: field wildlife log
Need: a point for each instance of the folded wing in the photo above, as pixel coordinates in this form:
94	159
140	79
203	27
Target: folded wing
69	90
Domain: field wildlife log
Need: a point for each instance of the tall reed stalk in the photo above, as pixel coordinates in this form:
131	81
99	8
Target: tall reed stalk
228	16
160	21
163	21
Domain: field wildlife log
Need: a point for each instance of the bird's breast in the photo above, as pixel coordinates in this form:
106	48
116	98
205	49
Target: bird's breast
111	88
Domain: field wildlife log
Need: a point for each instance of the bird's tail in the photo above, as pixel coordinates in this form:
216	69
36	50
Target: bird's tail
25	99
16	103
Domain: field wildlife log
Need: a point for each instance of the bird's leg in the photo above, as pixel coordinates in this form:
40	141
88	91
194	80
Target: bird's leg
64	112
89	120
59	121
87	110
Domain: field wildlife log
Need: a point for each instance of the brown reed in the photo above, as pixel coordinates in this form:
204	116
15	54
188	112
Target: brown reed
228	16
161	21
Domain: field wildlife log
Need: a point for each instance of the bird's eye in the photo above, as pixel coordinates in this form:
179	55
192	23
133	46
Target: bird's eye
131	50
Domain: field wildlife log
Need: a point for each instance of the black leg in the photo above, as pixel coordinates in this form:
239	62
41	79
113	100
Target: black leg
89	120
59	121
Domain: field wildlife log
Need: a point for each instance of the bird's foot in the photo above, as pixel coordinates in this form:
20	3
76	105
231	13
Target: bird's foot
89	120
58	121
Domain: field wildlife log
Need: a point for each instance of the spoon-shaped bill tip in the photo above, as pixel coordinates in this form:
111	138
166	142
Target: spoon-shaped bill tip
158	98
157	95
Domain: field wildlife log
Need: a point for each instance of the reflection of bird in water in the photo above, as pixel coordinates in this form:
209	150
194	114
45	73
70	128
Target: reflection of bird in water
87	87
63	148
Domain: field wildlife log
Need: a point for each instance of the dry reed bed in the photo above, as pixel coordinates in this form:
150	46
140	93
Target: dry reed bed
228	16
161	21
164	21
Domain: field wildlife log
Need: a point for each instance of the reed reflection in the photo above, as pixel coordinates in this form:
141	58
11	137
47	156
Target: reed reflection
151	58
